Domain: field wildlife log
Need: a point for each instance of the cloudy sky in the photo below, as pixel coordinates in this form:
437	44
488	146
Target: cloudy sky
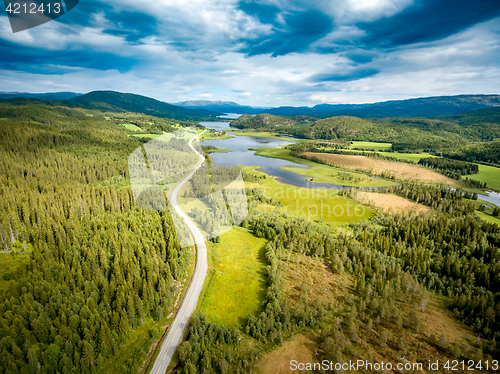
260	52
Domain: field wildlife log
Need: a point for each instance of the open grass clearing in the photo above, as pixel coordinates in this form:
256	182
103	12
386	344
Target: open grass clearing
215	136
312	204
415	157
131	127
488	218
145	135
260	134
236	281
300	347
371	145
10	262
399	170
489	175
308	279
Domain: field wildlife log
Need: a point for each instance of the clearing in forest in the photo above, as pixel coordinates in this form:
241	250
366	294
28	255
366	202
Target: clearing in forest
235	283
390	202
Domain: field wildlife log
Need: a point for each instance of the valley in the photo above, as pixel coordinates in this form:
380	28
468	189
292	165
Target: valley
350	249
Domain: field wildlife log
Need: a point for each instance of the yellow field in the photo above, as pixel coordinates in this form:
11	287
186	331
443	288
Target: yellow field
301	348
390	202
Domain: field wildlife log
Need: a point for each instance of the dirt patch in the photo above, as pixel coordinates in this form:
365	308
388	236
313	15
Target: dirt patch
300	348
390	202
312	279
438	320
398	170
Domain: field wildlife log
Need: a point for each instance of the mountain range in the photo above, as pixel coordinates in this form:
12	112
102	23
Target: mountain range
204	109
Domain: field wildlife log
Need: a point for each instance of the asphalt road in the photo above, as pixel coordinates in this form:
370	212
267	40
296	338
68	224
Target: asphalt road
188	306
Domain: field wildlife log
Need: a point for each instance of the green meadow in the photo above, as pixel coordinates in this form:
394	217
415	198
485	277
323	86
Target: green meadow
489	175
145	135
131	127
236	282
488	218
321	173
313	204
9	264
371	145
260	134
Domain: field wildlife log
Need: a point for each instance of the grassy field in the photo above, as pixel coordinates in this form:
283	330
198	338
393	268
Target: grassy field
260	134
488	218
8	266
214	136
327	174
407	156
390	202
489	175
371	145
322	173
399	170
309	203
145	135
131	127
236	283
301	348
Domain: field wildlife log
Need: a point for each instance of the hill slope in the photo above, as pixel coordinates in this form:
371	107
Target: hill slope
45	95
126	102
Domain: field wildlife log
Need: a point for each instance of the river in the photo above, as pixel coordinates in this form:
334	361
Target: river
240	154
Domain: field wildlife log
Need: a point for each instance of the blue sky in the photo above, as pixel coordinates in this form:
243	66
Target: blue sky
262	53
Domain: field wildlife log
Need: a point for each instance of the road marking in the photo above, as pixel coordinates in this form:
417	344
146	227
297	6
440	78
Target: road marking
171	341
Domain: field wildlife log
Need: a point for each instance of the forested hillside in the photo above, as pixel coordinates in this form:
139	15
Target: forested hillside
127	102
89	266
409	134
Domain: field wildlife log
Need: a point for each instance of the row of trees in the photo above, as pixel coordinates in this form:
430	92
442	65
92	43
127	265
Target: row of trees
451	168
211	347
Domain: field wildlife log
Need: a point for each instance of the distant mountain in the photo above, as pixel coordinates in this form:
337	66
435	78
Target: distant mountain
220	106
45	96
127	102
426	106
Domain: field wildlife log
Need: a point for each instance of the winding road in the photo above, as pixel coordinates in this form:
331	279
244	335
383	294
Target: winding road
188	306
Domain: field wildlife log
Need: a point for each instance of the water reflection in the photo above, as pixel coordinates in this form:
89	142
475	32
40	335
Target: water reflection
242	155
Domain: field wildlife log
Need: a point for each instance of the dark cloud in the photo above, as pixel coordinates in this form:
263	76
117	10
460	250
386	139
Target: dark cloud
35	60
264	13
345	76
131	25
428	20
301	29
359	58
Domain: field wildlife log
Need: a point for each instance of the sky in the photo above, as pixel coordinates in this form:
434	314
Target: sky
260	52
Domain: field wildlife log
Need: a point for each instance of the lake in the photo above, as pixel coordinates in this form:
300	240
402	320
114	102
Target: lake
240	154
